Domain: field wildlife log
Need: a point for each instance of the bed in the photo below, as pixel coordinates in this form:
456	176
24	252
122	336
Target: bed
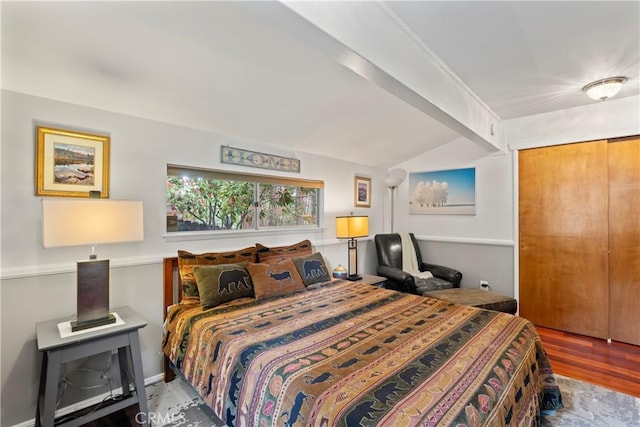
347	353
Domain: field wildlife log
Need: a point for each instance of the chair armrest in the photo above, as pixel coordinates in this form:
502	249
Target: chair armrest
398	279
446	273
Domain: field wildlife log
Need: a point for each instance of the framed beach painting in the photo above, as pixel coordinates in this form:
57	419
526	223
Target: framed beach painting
450	192
362	196
71	164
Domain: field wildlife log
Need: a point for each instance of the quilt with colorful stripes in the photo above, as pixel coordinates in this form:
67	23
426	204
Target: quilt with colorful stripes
351	354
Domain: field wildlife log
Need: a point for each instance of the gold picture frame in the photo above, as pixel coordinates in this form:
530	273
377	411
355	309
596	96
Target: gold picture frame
362	192
70	163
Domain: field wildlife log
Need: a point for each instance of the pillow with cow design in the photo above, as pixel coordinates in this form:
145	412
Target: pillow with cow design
312	269
275	278
222	283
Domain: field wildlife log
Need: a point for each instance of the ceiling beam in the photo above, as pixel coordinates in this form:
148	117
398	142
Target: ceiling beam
383	51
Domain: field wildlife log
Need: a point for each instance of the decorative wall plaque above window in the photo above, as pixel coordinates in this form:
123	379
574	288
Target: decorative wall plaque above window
238	156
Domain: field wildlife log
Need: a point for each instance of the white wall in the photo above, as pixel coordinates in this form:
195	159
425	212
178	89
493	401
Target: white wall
493	188
39	284
599	120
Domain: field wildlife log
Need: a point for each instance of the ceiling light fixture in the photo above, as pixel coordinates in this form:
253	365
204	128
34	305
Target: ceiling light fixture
604	88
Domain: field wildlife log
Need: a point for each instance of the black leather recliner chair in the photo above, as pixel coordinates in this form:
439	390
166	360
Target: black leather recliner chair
389	250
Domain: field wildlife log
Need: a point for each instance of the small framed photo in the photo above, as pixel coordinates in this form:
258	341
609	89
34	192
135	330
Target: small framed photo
71	164
362	197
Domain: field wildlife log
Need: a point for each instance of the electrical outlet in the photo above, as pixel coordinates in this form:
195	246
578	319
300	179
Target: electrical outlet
484	285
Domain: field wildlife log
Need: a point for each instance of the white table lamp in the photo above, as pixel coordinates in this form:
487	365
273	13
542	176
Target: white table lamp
75	222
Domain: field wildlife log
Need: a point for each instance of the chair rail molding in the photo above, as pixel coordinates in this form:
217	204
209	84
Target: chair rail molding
467	240
71	267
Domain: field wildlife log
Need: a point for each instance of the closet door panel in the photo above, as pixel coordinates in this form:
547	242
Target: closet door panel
563	237
624	239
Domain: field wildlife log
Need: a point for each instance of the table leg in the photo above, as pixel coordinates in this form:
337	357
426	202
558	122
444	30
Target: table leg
138	374
52	366
43	376
123	362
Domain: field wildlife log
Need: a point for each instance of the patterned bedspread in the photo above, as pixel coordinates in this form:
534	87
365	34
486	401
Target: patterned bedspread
345	353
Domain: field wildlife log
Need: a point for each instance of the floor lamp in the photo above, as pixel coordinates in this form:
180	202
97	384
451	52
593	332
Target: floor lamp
394	178
75	222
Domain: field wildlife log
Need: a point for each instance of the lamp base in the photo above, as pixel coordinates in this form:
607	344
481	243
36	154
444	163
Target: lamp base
93	295
86	324
353	277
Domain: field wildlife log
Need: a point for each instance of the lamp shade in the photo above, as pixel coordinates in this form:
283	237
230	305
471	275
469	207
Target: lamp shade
395	177
67	222
350	227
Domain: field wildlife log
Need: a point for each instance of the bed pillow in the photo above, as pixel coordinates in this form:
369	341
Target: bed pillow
312	269
222	283
266	253
187	260
275	278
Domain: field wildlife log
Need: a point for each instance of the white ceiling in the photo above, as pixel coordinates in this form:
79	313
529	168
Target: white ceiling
222	67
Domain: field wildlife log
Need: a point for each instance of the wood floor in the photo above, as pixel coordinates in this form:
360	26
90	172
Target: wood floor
615	366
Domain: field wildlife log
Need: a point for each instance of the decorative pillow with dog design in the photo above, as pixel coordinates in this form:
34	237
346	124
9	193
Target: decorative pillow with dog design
275	278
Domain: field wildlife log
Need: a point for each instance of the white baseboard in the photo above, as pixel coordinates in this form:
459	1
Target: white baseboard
89	402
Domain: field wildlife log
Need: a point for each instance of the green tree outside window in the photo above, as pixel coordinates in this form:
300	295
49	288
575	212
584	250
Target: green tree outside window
197	203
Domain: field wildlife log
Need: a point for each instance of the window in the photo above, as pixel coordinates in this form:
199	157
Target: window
202	199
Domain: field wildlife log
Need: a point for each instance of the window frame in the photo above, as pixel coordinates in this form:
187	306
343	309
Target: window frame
256	179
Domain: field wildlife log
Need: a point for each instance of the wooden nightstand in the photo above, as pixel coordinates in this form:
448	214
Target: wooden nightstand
121	336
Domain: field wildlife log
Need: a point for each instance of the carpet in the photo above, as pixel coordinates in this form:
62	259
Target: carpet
590	405
176	404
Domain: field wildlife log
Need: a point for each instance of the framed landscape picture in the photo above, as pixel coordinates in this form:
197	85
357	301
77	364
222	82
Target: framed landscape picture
70	163
450	192
362	197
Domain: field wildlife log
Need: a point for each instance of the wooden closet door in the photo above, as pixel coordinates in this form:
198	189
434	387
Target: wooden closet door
563	237
624	239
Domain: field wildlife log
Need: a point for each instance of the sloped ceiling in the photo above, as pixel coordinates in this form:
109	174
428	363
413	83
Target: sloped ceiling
263	73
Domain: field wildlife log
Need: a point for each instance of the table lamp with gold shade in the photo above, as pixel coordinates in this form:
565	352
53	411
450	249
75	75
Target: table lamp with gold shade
75	222
352	227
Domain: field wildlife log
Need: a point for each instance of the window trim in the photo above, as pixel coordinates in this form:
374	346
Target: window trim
205	173
185	236
195	172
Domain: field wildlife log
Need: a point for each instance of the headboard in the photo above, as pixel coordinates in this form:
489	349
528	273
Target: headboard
172	287
171	283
